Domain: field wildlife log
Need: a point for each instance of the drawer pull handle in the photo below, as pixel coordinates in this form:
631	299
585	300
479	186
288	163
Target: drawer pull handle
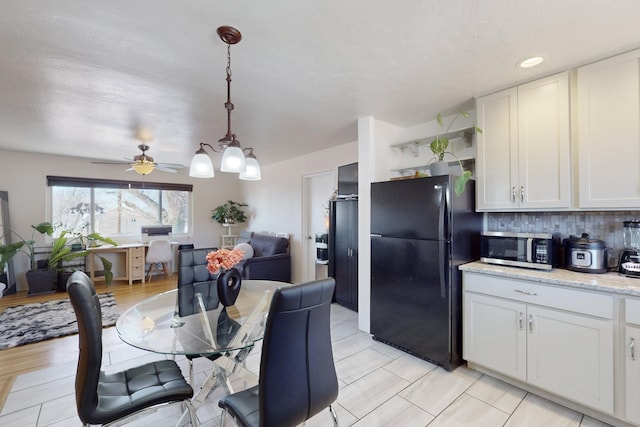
530	324
632	348
521	320
525	292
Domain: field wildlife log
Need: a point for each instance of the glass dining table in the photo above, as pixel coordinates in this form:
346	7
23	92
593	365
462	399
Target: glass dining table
155	325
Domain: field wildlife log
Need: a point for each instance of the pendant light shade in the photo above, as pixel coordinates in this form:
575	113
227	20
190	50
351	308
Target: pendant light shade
252	171
201	166
233	159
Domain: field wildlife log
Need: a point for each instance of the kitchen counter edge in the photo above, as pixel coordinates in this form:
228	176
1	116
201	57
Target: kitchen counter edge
607	282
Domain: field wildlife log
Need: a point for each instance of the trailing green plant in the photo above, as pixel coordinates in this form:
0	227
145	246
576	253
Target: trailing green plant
61	250
229	213
440	147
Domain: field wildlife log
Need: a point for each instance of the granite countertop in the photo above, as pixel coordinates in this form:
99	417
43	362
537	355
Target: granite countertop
608	282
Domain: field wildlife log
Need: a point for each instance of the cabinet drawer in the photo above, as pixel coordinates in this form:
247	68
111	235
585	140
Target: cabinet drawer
137	272
590	303
137	251
632	311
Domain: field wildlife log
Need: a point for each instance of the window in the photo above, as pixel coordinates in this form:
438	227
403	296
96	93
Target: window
118	208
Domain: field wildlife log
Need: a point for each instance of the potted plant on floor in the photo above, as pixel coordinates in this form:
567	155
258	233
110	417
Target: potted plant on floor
64	250
43	274
229	213
440	147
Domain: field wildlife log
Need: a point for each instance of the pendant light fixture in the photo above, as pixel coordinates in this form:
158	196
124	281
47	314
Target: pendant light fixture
233	157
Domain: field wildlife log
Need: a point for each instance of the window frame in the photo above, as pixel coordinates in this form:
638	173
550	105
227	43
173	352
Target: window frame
99	183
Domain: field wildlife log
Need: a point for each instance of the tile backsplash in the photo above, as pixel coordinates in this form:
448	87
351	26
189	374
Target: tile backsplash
606	226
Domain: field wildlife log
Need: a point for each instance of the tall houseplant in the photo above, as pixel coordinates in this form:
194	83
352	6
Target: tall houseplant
60	252
229	213
440	147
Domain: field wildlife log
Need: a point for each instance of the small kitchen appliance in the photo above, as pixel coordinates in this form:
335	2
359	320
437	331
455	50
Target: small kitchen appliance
586	255
629	264
530	250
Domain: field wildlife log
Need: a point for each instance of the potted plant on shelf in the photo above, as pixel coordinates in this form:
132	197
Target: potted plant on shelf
440	147
229	213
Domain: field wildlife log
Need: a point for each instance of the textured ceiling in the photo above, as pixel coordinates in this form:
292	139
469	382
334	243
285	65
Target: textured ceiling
78	77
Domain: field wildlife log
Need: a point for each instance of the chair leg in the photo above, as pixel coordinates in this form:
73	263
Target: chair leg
224	417
334	416
152	267
167	273
191	372
192	413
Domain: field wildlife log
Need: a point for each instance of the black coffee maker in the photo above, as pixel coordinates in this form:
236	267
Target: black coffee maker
630	257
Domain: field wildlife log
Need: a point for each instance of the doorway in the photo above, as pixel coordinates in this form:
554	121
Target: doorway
317	190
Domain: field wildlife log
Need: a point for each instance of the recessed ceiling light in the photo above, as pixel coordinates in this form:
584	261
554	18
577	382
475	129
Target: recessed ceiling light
531	62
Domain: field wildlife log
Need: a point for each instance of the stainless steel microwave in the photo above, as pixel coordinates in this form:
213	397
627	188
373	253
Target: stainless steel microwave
529	250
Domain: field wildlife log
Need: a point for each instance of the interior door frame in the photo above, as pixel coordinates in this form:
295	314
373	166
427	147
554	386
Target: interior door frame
308	255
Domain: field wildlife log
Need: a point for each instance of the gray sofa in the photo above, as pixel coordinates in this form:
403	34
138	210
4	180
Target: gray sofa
270	260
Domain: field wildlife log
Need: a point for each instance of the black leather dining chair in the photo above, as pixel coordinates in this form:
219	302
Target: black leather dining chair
103	398
297	374
193	278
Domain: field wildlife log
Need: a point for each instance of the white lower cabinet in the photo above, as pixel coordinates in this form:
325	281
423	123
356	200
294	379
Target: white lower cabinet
632	359
557	339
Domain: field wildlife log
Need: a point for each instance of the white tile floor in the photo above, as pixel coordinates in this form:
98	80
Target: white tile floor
379	386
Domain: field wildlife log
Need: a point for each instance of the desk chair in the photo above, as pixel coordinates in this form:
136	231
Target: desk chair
105	398
297	374
159	252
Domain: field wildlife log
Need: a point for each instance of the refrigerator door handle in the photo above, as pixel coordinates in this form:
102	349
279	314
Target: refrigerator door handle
443	268
441	214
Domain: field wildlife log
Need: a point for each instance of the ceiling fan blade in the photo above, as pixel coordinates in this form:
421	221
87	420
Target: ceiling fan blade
110	162
165	169
171	165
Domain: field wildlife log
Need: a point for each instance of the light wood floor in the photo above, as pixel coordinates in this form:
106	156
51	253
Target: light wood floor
32	357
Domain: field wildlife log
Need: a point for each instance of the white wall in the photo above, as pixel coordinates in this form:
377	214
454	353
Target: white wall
23	175
276	201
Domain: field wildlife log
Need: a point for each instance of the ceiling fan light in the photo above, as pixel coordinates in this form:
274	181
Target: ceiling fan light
252	171
143	167
232	160
201	166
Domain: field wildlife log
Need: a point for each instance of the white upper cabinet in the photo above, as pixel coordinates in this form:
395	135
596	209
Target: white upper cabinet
608	134
523	155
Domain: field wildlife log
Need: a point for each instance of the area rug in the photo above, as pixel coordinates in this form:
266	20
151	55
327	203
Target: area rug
29	323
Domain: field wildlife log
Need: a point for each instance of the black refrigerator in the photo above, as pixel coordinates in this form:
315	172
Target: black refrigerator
420	233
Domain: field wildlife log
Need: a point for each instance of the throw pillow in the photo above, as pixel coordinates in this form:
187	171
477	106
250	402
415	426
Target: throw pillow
246	248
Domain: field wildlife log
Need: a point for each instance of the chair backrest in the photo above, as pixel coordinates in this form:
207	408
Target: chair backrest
194	277
268	245
159	251
89	315
297	373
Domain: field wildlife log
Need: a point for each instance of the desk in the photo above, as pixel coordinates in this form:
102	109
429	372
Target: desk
134	260
154	325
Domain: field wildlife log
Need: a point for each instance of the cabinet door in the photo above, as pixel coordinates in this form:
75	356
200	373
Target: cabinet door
494	334
497	151
609	133
571	355
632	373
544	167
345	260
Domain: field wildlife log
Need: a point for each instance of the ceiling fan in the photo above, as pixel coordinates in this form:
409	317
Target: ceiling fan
143	163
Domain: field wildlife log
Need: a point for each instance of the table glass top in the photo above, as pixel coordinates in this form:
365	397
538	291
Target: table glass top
154	324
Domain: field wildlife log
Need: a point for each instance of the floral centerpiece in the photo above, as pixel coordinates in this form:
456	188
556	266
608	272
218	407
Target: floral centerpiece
222	262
